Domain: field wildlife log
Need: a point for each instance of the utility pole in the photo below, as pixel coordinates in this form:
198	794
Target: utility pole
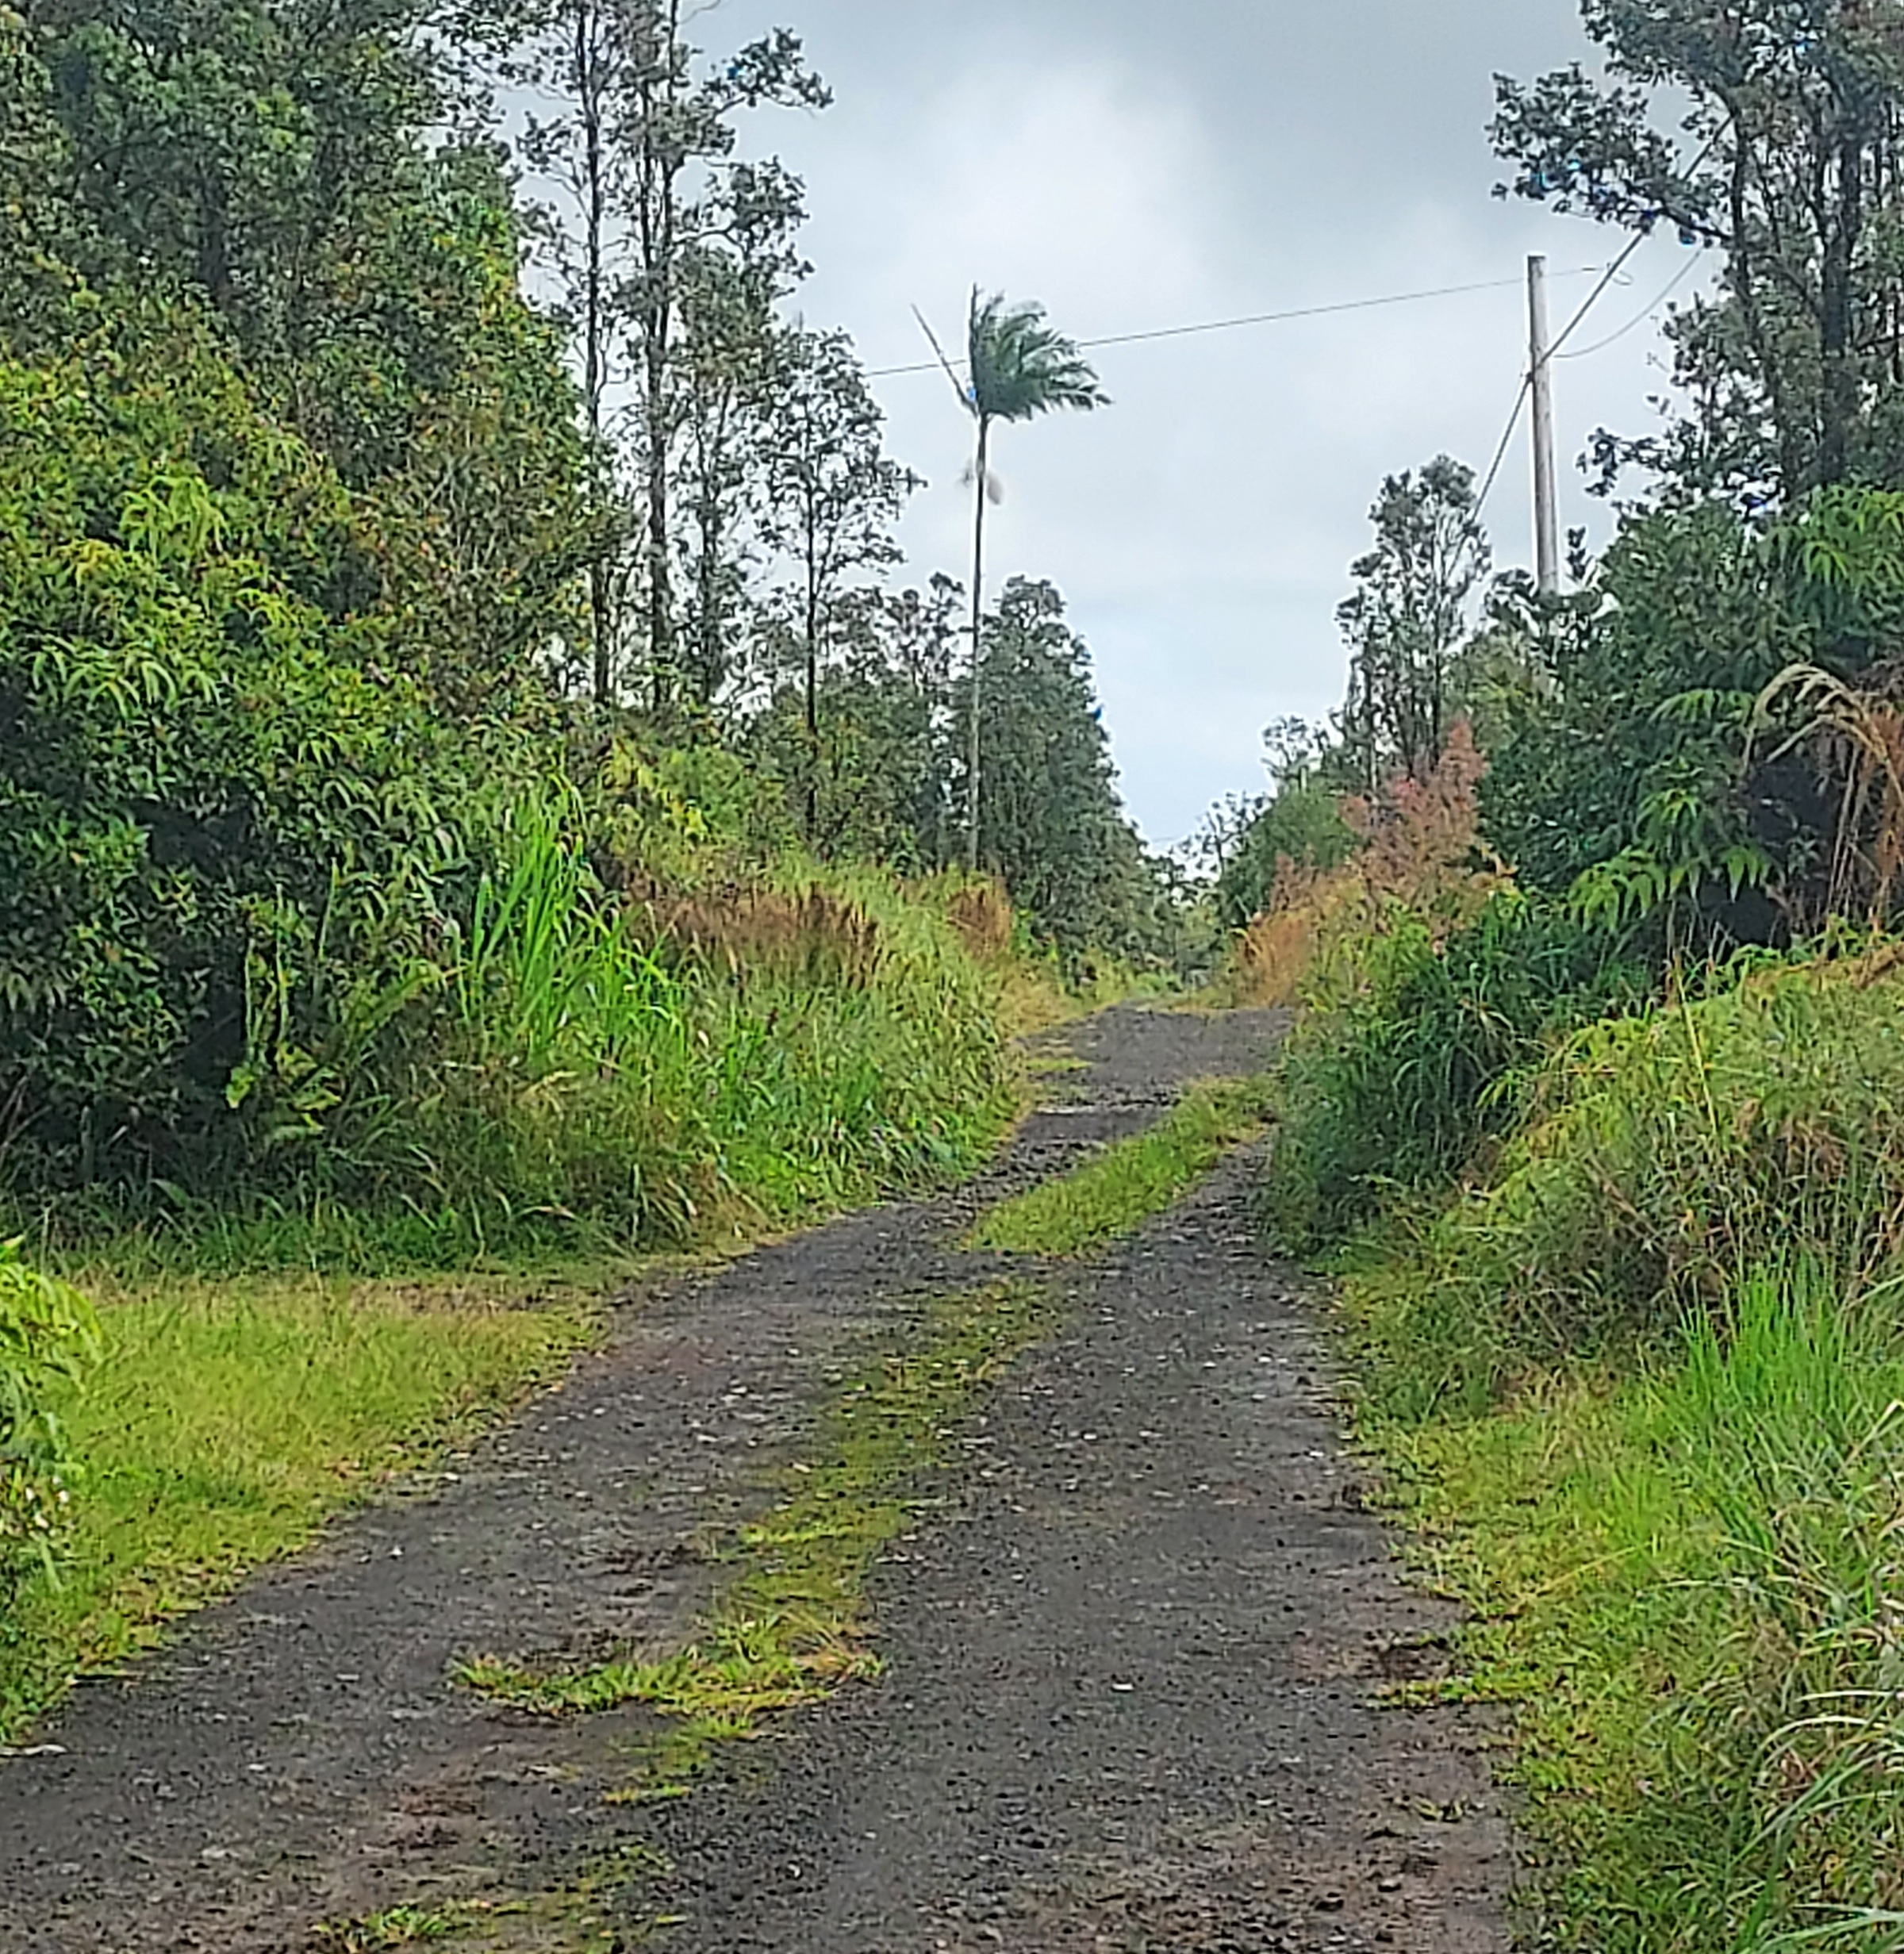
1546	516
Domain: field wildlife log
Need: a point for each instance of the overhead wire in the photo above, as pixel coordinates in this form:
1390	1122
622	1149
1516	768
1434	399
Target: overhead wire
1526	386
1500	453
1264	318
1639	318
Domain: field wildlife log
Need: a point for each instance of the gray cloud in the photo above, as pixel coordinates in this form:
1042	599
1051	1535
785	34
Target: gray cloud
1136	165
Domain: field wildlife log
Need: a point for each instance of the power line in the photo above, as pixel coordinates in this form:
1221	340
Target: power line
1553	352
1500	454
1526	386
1593	297
1266	318
1639	318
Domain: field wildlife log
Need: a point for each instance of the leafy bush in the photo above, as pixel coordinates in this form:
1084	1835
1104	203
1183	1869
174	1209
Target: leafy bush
200	766
1664	1156
1641	774
48	1337
264	949
1394	1085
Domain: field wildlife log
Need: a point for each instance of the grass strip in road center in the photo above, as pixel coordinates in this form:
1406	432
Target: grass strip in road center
793	1624
1113	1195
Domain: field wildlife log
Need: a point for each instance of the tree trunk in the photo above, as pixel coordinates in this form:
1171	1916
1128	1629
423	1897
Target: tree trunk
660	168
978	615
588	77
1838	407
812	687
661	650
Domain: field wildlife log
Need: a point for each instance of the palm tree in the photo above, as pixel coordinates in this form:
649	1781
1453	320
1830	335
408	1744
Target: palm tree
1019	368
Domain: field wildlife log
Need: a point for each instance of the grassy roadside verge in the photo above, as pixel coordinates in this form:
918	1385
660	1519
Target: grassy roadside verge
1639	1389
1113	1195
228	1422
1682	1574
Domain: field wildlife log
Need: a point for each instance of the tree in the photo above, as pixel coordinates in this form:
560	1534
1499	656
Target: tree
1298	822
1788	164
1407	618
1019	368
38	245
672	253
879	750
684	200
731	368
1058	833
297	172
832	496
577	56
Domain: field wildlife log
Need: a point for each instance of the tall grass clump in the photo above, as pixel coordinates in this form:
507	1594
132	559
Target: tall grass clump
583	1062
1685	1574
1401	1067
1665	1153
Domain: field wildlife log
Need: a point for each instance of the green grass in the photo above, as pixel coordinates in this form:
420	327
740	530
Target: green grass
228	1422
393	1928
1639	1387
1684	1575
793	1622
1114	1195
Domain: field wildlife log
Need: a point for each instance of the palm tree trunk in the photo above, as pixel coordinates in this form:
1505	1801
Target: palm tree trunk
978	613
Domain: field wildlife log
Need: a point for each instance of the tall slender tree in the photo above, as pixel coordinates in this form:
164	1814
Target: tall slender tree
835	495
1018	367
1406	621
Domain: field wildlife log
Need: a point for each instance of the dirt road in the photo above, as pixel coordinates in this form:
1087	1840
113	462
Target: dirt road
1129	1665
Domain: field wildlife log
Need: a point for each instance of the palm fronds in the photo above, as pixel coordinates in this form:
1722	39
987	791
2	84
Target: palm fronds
1021	366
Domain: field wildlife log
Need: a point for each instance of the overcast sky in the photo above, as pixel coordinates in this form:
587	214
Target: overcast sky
1135	165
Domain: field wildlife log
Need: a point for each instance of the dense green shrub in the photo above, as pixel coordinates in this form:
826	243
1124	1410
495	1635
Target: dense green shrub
1670	1152
48	1337
1394	1086
1664	1156
199	764
1641	773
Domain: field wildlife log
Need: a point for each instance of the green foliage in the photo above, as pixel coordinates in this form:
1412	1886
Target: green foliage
575	1071
1780	118
1679	1578
197	762
1667	1152
1390	1089
1052	825
48	1336
1406	620
325	925
224	1424
1114	1195
1021	367
1645	778
1300	826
